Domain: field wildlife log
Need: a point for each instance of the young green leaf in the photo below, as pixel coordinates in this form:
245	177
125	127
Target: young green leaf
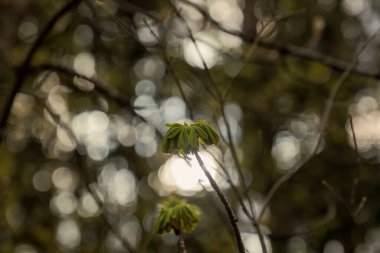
172	132
192	139
210	137
214	134
165	145
185	138
176	215
182	139
201	133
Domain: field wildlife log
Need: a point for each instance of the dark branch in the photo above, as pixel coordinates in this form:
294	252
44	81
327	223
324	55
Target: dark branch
98	86
291	50
22	71
226	204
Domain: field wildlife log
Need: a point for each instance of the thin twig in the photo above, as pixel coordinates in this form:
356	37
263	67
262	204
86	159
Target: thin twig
181	244
336	194
286	49
172	72
228	178
354	137
325	117
220	99
218	94
254	46
226	204
355	180
235	158
360	206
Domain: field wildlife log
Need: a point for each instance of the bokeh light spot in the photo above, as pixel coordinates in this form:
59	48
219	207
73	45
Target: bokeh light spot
84	64
68	234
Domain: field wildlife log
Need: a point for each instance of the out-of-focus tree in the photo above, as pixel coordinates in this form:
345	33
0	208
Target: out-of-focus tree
87	86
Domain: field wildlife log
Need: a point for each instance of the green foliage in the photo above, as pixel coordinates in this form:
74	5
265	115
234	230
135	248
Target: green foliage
185	138
176	215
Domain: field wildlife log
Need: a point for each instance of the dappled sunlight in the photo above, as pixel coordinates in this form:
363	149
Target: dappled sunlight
126	133
64	179
83	35
92	129
209	42
130	230
354	7
227	13
84	64
186	176
113	243
147	30
365	114
299	140
68	234
56	100
149	68
296	244
63	203
173	109
25	248
15	215
257	206
234	114
87	206
333	246
371	241
253	245
199	53
145	87
145	105
28	29
286	150
118	185
92	92
42	180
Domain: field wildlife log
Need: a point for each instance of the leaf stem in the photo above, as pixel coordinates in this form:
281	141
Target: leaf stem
181	244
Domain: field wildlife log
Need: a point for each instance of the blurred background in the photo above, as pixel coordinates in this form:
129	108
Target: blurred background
86	88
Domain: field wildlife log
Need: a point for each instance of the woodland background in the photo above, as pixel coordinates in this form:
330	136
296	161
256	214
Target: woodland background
86	88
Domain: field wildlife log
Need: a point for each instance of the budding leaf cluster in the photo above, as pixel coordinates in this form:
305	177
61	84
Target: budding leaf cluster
185	138
178	216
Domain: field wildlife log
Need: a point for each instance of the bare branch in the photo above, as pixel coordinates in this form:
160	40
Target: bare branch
325	117
286	49
226	204
99	87
218	94
22	71
171	69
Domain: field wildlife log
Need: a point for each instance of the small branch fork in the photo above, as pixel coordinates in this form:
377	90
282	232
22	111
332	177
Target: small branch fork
324	121
352	207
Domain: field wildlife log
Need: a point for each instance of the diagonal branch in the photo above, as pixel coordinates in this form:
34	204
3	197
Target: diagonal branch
226	204
99	87
22	71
